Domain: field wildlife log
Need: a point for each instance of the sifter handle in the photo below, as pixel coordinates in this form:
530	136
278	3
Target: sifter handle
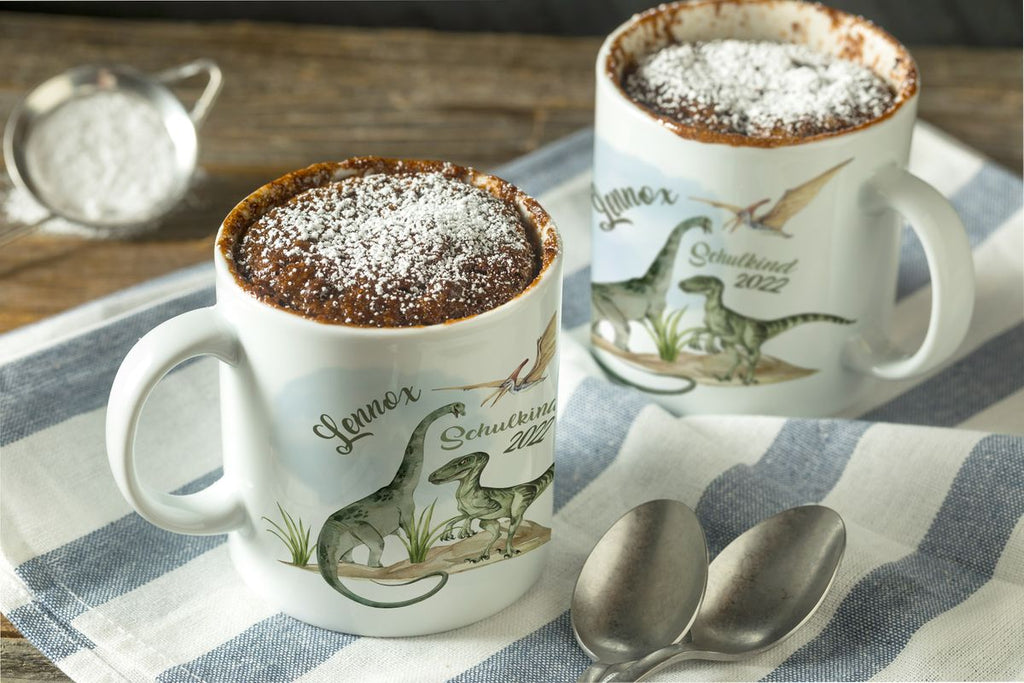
215	80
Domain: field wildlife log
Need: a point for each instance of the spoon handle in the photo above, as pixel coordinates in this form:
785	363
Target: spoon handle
594	673
21	230
657	660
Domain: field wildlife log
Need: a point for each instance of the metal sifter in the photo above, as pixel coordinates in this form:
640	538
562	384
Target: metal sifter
83	81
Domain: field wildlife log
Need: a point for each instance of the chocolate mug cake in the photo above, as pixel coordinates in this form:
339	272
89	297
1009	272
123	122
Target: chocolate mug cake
757	88
404	244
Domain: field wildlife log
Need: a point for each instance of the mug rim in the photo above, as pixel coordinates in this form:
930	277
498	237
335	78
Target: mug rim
281	189
612	58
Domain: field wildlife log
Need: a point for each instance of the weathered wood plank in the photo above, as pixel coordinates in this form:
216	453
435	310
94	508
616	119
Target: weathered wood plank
306	93
19	661
975	95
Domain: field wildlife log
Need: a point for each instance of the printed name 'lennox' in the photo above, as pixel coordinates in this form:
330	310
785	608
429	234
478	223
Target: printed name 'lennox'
612	205
351	428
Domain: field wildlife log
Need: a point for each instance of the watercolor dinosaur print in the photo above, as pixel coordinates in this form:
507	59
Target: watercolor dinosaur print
740	334
382	513
640	298
730	342
514	384
487	505
390	511
792	202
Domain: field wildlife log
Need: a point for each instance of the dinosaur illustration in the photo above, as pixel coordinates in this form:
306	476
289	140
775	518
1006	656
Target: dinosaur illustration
640	297
513	383
793	201
382	513
741	334
485	504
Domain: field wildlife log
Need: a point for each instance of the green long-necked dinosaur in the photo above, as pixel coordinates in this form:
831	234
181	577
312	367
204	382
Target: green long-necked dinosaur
382	513
738	332
486	504
640	297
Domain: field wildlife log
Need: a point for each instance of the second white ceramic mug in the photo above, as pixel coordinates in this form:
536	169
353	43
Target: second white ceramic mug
696	302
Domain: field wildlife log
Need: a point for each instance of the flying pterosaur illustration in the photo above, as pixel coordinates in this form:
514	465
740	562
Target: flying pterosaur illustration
514	383
792	202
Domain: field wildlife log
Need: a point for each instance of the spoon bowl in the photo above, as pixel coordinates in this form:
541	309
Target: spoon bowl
642	584
765	585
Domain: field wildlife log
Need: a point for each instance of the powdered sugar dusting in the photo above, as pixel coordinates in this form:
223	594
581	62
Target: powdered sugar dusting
103	157
389	250
758	89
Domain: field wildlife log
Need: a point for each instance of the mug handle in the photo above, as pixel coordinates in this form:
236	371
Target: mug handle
215	79
950	263
216	509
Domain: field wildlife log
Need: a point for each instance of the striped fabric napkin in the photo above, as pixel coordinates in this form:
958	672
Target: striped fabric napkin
927	474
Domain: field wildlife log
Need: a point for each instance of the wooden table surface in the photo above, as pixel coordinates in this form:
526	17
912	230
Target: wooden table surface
296	95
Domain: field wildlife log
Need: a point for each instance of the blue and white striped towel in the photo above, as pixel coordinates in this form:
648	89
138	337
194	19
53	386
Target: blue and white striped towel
932	585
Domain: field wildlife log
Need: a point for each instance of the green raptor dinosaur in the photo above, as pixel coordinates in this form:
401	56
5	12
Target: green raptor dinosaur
382	513
742	334
487	504
640	297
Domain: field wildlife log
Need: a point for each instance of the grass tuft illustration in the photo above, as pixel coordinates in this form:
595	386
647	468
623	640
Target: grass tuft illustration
420	535
294	536
667	336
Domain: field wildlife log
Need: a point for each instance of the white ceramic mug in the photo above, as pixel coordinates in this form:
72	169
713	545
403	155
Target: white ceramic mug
374	441
692	303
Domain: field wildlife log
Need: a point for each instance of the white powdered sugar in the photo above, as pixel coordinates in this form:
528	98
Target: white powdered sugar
104	157
389	249
20	208
758	89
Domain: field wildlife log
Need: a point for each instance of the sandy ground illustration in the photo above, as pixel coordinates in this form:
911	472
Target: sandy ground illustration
706	368
451	558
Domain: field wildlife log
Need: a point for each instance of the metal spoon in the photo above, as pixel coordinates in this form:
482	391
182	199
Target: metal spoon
641	586
761	588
